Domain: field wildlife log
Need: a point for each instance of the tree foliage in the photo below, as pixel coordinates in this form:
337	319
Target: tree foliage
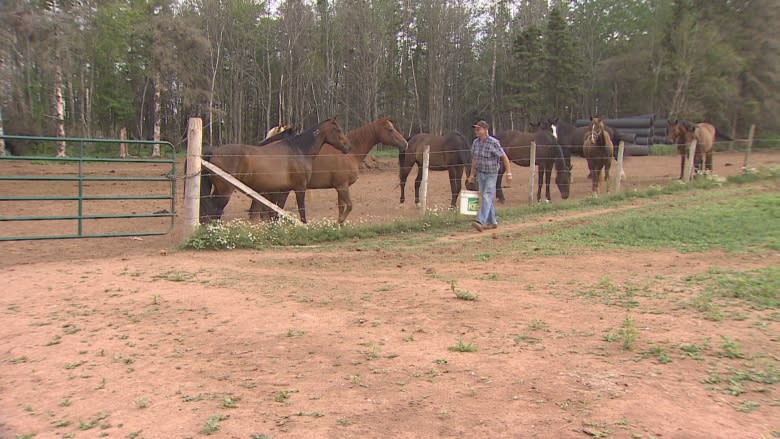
434	66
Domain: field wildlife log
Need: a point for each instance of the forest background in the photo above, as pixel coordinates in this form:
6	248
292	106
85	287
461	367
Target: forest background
90	68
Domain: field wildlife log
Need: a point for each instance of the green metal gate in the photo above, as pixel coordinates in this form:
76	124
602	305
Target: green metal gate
90	193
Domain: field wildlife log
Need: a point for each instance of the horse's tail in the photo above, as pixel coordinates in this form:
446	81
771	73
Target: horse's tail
720	136
205	174
402	158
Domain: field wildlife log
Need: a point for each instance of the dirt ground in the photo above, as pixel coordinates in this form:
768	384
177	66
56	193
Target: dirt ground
129	337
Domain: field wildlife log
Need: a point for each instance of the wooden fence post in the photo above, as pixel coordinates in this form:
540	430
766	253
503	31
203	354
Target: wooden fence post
122	145
688	172
749	147
424	183
532	174
2	139
619	169
192	175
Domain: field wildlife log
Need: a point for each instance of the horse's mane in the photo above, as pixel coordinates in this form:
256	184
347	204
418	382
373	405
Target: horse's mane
303	141
366	133
279	135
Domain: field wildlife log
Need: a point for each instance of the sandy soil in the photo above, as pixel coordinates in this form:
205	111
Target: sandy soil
128	337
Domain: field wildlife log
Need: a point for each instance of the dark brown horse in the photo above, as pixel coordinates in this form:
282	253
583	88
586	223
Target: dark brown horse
280	166
682	133
597	148
451	153
330	169
517	145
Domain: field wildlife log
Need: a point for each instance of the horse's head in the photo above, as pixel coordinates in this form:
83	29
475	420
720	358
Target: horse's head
679	132
388	135
330	132
563	181
596	129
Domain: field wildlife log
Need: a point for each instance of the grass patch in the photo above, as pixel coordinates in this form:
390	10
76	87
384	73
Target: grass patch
760	289
628	333
463	347
697	223
462	294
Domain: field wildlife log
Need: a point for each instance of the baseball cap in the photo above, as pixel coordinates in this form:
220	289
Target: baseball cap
482	124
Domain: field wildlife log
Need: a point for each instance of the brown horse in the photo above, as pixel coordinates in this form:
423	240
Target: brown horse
549	154
597	148
682	133
280	166
451	153
340	171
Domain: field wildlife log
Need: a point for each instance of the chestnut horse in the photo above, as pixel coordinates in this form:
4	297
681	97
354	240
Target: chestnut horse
597	148
549	154
280	166
451	153
682	133
340	171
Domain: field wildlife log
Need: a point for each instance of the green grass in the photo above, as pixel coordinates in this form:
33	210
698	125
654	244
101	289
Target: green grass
734	225
703	219
463	347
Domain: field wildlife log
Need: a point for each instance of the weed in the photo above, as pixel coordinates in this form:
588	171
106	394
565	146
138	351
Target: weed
174	276
628	333
141	402
660	354
527	339
462	294
60	423
86	425
694	351
747	406
229	402
281	396
731	348
463	347
212	424
537	325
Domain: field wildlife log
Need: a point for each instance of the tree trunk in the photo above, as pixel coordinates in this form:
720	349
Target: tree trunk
157	116
2	140
59	110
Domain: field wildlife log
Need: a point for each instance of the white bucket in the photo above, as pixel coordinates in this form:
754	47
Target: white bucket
469	202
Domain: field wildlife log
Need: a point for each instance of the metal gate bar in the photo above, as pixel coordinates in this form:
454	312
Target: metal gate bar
81	177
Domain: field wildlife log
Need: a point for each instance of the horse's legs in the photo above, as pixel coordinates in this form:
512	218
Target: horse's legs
403	174
417	183
499	191
682	166
607	164
539	171
709	160
456	174
258	209
300	197
547	176
595	175
344	203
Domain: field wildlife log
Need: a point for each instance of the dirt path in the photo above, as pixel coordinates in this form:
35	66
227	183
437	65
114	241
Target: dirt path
114	338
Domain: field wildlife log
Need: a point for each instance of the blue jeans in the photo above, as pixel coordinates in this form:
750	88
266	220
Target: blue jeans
487	191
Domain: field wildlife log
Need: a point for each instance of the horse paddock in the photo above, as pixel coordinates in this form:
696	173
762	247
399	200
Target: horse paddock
128	337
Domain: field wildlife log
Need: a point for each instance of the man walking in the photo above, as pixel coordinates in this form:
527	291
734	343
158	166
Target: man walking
487	157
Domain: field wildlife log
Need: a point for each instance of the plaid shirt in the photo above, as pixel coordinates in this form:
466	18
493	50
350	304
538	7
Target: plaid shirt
487	154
